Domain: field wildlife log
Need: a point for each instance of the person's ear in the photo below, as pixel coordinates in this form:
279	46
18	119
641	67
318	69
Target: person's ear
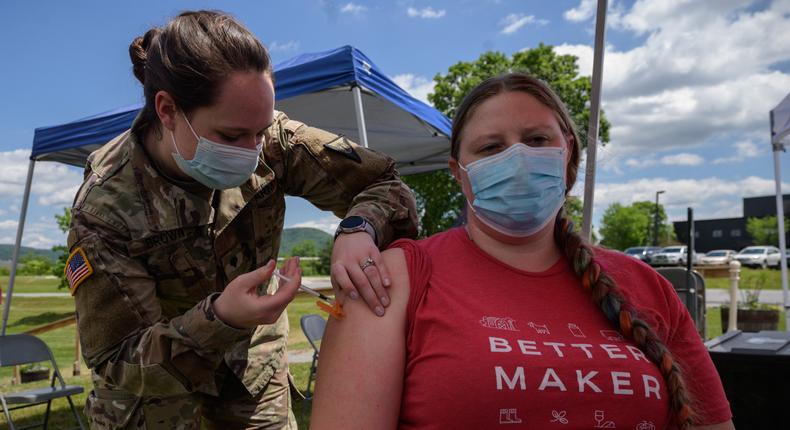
166	109
570	146
455	170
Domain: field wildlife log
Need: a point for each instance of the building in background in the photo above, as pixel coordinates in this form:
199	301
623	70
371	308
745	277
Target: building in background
730	233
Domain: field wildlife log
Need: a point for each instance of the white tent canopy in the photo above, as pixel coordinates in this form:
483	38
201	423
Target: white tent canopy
780	133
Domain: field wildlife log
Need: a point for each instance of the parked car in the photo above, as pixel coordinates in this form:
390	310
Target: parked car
759	256
717	257
644	253
671	256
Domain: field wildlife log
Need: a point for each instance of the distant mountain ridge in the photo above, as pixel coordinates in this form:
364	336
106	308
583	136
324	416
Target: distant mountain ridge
294	235
7	251
290	237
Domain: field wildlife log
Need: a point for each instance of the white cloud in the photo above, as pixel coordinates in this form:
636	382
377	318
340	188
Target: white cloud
290	45
42	234
8	224
425	13
64	197
54	184
639	163
582	12
327	224
711	197
705	71
513	22
744	149
417	86
352	8
682	159
41	241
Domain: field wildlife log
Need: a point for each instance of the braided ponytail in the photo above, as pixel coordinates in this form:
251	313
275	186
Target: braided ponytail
606	295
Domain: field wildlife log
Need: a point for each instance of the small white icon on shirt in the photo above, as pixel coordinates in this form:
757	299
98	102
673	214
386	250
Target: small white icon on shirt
575	330
645	425
612	335
559	417
539	328
509	416
601	423
504	323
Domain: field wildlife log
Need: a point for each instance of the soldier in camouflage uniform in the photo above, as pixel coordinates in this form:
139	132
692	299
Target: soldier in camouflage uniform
153	255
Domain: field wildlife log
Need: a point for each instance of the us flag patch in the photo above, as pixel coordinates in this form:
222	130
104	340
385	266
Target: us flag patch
77	269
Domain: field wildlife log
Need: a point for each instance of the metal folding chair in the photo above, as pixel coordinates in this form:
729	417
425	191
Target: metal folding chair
313	326
18	349
693	295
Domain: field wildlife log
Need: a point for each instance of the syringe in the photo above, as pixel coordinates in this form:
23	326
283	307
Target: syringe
305	288
325	303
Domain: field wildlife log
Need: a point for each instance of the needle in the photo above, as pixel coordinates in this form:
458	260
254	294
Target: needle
304	288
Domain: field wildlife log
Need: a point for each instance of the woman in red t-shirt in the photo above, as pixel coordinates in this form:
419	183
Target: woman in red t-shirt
514	321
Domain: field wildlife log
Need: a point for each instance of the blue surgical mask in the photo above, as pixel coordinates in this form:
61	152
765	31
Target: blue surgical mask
216	165
520	190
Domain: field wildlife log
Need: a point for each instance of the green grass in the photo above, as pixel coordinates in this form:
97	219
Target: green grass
30	312
33	284
61	416
773	279
27	313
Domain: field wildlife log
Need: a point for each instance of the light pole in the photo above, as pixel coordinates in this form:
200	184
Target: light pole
655	221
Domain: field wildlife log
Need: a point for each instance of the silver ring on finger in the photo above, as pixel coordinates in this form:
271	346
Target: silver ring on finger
367	263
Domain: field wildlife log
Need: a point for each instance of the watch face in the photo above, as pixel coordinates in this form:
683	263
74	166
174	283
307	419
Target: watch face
352	222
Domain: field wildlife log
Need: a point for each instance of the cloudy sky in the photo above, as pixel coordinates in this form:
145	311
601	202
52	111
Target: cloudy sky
687	85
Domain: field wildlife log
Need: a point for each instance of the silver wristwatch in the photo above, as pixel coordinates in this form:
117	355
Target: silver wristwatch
354	224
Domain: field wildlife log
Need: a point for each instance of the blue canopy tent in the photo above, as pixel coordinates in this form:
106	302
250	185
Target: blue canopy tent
339	90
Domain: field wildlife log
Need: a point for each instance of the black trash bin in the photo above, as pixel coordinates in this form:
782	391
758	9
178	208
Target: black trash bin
755	371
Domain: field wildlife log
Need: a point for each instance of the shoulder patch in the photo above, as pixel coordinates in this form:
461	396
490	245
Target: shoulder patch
343	147
78	269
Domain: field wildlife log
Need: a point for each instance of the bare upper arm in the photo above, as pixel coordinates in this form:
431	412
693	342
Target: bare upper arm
362	359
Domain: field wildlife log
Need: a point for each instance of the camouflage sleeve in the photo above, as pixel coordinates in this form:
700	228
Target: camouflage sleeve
124	336
336	174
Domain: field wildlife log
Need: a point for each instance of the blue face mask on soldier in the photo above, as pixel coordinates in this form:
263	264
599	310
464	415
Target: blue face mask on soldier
216	165
518	191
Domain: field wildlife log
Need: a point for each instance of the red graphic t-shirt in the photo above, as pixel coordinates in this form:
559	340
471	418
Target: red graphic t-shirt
493	347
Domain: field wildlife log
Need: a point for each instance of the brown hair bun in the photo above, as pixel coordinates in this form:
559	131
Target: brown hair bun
138	52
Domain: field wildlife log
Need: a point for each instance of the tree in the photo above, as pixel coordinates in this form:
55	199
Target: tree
439	199
666	233
574	210
626	226
35	265
764	231
305	248
64	221
324	259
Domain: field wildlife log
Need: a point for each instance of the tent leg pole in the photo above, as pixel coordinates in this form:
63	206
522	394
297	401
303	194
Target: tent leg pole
780	219
17	244
592	132
363	132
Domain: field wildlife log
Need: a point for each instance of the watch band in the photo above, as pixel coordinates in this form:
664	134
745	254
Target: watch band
364	225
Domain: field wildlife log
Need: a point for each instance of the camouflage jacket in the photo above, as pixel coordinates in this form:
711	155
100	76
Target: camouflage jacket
160	253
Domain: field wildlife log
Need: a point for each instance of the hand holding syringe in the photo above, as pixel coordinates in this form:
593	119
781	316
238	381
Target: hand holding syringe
325	303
